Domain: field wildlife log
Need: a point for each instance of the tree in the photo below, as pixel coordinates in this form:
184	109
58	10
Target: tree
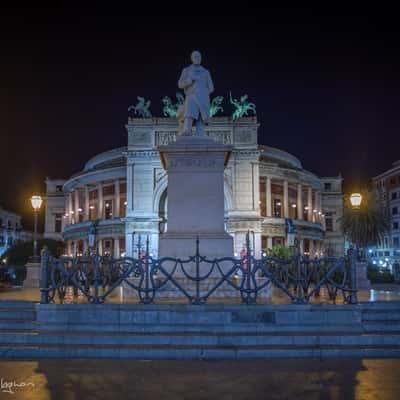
366	226
20	252
279	251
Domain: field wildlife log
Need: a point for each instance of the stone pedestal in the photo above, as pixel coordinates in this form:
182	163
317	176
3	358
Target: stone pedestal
363	282
170	291
195	167
32	279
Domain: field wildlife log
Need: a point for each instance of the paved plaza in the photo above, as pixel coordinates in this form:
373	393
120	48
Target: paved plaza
379	292
257	379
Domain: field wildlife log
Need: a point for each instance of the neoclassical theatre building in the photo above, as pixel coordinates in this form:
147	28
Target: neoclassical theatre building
266	191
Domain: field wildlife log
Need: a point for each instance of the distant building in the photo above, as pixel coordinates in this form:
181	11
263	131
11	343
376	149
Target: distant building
11	230
387	185
266	190
332	209
55	209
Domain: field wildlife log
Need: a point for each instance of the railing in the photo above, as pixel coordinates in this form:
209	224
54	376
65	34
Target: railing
299	278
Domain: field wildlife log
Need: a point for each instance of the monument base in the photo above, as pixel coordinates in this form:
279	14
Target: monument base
32	279
225	291
183	245
362	279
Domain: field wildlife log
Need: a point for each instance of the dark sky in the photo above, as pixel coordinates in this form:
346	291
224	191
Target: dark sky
325	82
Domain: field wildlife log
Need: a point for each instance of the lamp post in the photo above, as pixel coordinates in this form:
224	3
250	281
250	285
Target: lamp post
36	202
355	201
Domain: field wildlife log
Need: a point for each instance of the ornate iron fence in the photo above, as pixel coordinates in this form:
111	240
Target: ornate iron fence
300	278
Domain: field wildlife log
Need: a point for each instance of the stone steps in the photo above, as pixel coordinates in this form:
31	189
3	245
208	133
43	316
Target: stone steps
193	340
170	352
381	316
151	328
199	332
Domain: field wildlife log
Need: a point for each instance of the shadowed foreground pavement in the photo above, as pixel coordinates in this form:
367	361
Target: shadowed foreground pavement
258	379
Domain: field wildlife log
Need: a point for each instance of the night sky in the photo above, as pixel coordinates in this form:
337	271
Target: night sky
325	82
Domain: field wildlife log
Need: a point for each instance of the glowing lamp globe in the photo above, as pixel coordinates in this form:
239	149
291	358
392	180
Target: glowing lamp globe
36	202
355	200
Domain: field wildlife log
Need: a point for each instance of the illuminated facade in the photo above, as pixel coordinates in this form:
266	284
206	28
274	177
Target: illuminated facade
387	184
127	190
11	230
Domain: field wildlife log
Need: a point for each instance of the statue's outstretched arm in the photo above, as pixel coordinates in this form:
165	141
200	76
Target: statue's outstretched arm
184	80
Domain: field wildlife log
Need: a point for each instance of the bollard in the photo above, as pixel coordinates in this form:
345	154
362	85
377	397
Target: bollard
44	297
353	266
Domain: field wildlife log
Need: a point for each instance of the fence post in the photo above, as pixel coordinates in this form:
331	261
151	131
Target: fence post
197	300
299	278
97	258
44	265
146	269
248	269
353	266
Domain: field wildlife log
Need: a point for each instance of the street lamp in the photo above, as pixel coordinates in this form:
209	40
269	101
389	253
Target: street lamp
355	200
36	202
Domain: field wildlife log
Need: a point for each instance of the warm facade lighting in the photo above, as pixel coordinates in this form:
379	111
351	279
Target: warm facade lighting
355	200
36	202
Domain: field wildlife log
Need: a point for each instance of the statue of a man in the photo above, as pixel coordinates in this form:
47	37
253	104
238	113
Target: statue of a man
197	84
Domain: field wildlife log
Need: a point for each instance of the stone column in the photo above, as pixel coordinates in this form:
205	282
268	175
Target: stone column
116	247
85	246
316	248
76	194
75	247
256	185
86	209
286	199
309	204
116	199
69	248
129	188
317	207
320	206
128	244
269	242
65	219
100	201
299	202
301	246
70	213
100	246
268	197
311	248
